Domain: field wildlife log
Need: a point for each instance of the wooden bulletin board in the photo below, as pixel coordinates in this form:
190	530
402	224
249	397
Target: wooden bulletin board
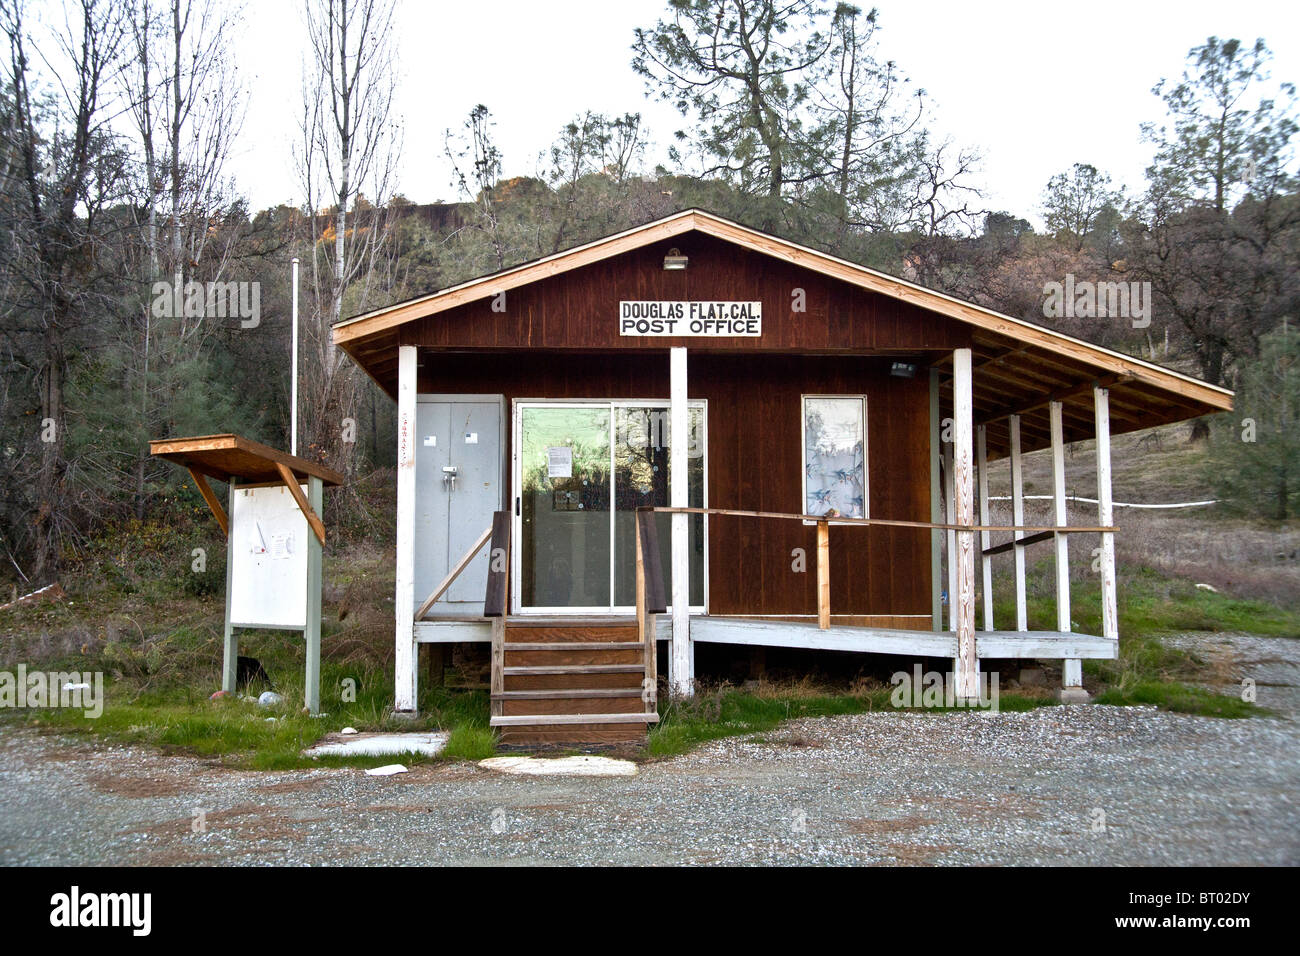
268	556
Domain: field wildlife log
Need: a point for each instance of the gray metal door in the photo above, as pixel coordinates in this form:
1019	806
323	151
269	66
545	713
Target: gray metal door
458	487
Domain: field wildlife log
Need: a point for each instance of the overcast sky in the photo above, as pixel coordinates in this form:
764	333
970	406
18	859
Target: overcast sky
1034	86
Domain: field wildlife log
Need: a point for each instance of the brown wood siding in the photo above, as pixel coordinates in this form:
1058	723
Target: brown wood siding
579	309
755	462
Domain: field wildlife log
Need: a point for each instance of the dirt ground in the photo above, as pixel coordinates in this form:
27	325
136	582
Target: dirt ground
1086	785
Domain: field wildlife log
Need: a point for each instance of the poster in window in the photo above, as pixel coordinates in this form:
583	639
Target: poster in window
834	457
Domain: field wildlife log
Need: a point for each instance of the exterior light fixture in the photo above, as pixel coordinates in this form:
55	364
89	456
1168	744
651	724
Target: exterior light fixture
675	261
903	370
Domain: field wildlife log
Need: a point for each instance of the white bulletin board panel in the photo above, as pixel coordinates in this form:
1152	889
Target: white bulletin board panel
268	559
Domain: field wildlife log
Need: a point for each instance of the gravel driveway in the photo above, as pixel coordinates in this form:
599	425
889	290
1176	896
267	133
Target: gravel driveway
1094	785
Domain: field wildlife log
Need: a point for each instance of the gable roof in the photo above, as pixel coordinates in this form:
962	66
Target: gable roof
1024	366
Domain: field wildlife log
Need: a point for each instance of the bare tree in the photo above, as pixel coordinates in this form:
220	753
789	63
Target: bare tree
941	203
868	124
187	107
64	171
346	159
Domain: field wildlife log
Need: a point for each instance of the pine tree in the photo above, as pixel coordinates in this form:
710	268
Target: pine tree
1256	460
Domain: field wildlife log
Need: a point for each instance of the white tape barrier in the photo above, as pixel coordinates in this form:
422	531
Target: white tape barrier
1117	504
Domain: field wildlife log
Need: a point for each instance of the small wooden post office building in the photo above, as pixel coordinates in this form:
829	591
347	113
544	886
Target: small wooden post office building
772	446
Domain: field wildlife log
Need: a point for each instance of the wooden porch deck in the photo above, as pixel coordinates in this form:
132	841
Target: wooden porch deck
807	635
757	632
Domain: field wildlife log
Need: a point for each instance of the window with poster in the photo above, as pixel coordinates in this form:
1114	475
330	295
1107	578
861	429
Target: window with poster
835	456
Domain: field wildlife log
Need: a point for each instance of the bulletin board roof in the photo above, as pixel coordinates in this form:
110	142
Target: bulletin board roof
223	457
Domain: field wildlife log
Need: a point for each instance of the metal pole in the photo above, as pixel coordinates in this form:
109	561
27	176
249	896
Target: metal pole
293	398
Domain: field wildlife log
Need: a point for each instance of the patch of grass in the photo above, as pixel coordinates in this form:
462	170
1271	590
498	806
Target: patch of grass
1150	672
1147	657
1149	603
1180	698
1152	604
685	723
137	613
238	733
470	742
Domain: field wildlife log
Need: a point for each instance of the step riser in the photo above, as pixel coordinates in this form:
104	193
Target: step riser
566	694
571	681
573	705
560	657
561	635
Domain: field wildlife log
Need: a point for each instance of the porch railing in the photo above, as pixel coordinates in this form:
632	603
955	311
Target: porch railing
445	585
1030	534
650	600
496	603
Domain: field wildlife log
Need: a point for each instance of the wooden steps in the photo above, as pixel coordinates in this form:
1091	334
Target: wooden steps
571	681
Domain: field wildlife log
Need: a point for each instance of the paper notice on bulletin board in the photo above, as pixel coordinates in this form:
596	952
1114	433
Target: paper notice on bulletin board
559	462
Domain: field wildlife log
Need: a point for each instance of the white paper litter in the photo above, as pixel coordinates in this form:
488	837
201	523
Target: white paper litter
386	771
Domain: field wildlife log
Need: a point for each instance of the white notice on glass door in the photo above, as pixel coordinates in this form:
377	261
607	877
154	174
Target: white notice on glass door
559	462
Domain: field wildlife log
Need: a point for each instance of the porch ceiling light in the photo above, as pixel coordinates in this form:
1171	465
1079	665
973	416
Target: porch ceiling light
903	370
675	261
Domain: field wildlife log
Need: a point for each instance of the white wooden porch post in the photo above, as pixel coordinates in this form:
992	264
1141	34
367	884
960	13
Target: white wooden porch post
1018	518
950	517
963	426
986	563
1105	516
405	679
1072	675
936	507
681	659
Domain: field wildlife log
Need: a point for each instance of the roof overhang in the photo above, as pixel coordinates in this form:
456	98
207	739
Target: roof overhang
1019	366
227	456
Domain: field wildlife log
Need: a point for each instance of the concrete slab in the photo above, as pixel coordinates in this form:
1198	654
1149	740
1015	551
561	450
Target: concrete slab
576	766
378	745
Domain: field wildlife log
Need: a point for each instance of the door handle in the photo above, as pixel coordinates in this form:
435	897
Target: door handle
449	477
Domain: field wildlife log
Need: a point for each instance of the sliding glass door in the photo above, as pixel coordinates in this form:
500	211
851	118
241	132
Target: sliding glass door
581	471
564	542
